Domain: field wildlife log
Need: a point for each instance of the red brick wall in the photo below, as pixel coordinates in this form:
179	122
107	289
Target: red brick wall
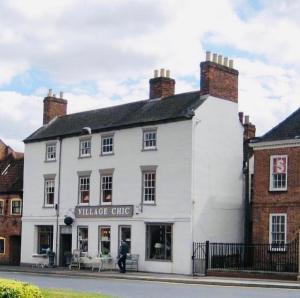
266	202
54	107
161	87
10	225
219	81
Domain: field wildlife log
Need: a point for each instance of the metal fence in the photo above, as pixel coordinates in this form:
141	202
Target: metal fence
239	256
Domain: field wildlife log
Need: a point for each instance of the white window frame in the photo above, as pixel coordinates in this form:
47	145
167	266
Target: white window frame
83	239
107	137
4	240
46	192
149	131
81	190
3	206
11	206
271	186
270	231
102	176
100	240
48	146
82	148
144	187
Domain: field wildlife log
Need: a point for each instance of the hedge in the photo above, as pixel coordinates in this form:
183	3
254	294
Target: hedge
16	289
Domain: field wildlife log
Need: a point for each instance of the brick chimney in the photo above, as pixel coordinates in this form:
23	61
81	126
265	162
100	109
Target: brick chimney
54	107
219	78
249	128
161	86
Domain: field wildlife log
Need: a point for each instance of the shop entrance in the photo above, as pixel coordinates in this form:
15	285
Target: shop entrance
65	251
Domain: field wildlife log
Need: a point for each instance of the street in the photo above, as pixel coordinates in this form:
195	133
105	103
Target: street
142	289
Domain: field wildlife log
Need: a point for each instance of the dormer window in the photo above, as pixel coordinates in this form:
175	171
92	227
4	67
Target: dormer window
51	152
149	139
85	147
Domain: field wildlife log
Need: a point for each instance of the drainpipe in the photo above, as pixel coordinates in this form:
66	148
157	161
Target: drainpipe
58	200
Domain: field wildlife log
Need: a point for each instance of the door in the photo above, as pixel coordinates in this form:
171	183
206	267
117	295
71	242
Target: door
15	250
65	249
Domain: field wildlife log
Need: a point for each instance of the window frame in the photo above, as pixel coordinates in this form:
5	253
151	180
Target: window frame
99	238
148	170
4	243
3	207
48	178
78	246
82	175
38	249
147	249
271	215
81	141
107	136
48	145
102	190
271	181
11	206
146	131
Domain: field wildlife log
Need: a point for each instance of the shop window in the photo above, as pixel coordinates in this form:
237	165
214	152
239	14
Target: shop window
278	173
45	239
2	246
125	235
107	144
106	189
159	242
1	207
84	189
49	192
83	239
51	152
277	231
85	148
104	240
16	206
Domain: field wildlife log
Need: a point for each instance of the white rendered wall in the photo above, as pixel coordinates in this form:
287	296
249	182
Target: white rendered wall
217	171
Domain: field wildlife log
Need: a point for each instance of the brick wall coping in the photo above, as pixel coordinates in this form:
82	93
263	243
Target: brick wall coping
275	144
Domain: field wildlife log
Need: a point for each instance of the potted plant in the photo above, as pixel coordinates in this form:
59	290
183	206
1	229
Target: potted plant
51	256
68	258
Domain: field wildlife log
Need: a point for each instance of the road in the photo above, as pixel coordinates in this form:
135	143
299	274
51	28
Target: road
142	289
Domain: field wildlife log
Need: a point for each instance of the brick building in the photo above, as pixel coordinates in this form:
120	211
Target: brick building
275	200
11	189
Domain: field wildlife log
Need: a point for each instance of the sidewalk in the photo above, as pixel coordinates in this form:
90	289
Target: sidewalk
157	277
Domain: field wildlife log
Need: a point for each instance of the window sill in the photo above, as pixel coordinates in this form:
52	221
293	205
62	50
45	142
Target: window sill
159	260
19	214
49	161
149	149
83	204
48	206
39	255
83	157
149	204
278	190
107	154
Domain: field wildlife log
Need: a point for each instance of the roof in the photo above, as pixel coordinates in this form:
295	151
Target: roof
286	130
11	175
146	112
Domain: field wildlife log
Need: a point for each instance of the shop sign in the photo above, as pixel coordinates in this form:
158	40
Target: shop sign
104	211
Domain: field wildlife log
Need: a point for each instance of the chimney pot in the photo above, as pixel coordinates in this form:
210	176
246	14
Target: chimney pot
61	95
220	58
226	61
162	72
156	73
168	73
50	92
247	119
215	57
231	63
208	55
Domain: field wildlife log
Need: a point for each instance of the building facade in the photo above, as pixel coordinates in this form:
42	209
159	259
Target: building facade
158	173
275	200
11	193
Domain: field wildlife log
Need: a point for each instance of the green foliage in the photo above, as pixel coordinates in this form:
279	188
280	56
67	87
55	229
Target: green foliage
16	289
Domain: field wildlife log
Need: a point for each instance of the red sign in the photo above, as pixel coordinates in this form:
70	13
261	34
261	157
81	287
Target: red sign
279	165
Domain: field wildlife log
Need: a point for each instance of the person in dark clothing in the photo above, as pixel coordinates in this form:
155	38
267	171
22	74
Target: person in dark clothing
123	251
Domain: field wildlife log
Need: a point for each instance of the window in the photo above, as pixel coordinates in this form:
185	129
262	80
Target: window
277	231
49	191
107	145
149	181
125	235
84	189
1	207
149	139
16	206
51	152
104	240
159	242
278	173
83	239
106	189
45	239
85	148
2	246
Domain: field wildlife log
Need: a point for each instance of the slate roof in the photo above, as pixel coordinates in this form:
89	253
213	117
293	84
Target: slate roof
11	175
139	113
286	130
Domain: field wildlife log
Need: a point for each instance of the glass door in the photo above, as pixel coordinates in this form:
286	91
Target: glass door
125	235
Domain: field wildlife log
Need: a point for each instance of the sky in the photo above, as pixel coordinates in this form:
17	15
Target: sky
102	53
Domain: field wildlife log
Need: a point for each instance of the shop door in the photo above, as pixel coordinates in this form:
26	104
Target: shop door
15	250
65	249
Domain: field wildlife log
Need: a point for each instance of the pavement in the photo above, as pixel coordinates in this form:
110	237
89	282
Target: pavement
156	277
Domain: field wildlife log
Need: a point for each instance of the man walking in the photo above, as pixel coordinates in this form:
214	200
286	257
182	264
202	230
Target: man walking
123	251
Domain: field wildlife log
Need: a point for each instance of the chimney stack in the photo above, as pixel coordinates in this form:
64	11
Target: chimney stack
249	128
219	78
54	107
161	86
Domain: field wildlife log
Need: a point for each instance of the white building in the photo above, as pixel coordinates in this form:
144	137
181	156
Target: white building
160	173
